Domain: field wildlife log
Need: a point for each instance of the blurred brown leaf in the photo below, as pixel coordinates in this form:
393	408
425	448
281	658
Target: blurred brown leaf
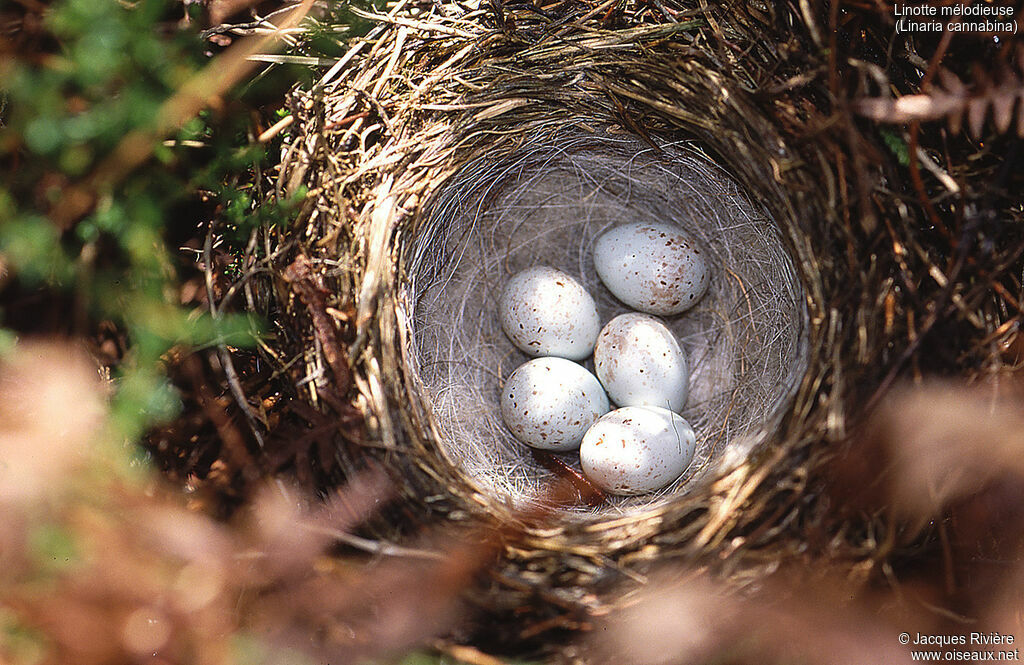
52	404
221	10
682	618
929	446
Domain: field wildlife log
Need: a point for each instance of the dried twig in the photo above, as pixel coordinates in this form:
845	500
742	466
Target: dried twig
308	285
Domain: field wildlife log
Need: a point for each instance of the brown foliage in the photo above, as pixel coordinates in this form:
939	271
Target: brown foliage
103	567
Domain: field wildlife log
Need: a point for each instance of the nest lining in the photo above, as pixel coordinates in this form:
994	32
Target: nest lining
545	203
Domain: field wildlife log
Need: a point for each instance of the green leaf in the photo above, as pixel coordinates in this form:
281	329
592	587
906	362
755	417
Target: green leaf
897	146
8	341
23	644
43	135
32	244
52	548
247	649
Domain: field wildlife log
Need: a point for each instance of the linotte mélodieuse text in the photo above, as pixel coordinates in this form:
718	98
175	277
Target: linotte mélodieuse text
955	18
970	638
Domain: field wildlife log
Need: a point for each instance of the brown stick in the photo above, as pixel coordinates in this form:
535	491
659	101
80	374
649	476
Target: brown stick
590	493
309	287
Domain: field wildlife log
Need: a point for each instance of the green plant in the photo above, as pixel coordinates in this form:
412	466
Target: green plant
77	218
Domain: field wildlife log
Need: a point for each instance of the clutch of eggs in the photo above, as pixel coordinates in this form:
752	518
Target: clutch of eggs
555	404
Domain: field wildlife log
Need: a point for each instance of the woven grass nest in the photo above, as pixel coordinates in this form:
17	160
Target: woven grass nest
459	143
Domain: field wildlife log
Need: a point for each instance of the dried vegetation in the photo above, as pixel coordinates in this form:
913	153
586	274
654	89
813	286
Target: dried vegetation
884	500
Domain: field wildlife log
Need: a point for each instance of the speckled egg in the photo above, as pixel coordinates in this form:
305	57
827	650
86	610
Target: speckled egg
652	267
545	312
637	449
550	403
640	363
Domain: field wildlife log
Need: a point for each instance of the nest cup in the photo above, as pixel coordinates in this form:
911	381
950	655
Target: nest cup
545	203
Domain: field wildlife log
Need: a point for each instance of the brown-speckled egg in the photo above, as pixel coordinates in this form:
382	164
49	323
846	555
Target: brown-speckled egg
637	449
652	267
640	363
545	312
550	403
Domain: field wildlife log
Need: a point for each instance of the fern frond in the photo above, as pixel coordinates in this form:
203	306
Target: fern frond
952	99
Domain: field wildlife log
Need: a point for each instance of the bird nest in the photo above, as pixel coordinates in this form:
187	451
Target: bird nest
438	171
457	144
